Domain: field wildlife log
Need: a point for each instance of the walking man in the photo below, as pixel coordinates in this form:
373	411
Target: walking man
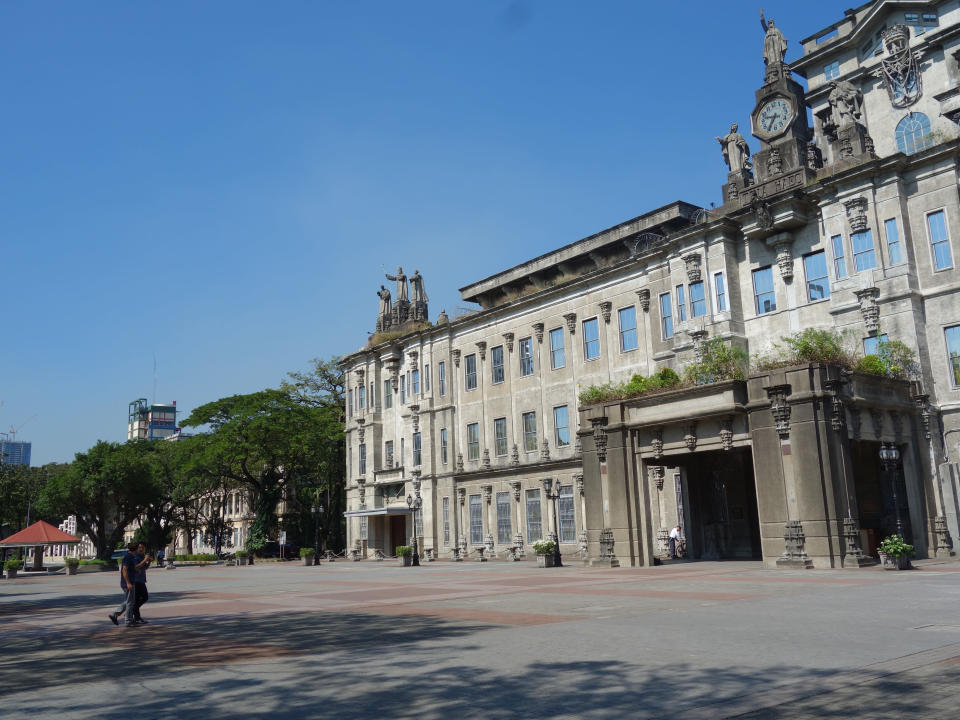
128	569
140	582
675	539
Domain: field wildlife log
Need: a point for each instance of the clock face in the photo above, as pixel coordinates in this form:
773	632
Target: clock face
774	116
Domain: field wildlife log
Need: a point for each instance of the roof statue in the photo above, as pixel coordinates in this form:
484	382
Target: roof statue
774	48
736	151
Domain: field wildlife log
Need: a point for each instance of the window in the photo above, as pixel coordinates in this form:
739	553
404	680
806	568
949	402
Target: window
666	316
364	527
443	445
568	529
815	269
681	304
913	133
446	520
561	426
415	385
893	241
698	300
863	256
504	526
874	44
500	436
363	458
402	449
362	395
832	70
470	369
442	370
373	395
557	359
591	339
763	290
476	520
937	225
534	522
388	452
526	356
496	360
418	525
426	378
473	441
871	345
839	261
721	290
349	403
953	352
416	450
628	328
403	389
530	432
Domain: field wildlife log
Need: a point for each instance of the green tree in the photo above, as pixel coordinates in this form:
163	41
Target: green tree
20	490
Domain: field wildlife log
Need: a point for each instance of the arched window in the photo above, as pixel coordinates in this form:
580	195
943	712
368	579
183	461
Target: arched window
913	133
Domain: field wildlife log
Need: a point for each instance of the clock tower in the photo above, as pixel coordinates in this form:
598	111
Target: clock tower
779	122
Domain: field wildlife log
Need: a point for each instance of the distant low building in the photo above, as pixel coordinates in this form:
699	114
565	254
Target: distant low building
151	422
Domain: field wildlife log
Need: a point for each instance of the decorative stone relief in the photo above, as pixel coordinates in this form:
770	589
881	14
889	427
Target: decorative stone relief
924	407
482	349
845	148
656	474
900	69
690	436
583	549
794	541
459	462
518	544
851	537
462	495
855	423
486	458
780	409
869	308
813	156
515	455
413	355
785	258
578	479
361	430
607	544
837	413
508	338
360	373
697	336
515	487
693	262
577	446
538	331
545	452
644	297
415	417
600	437
942	533
443	318
774	162
657	443
389	459
762	213
726	432
571	319
856	214
605	307
456	357
487	493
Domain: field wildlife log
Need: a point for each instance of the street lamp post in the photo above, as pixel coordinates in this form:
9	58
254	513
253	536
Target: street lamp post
890	457
414	503
317	510
553	494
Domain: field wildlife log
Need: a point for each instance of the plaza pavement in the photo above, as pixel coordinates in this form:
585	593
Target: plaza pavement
492	640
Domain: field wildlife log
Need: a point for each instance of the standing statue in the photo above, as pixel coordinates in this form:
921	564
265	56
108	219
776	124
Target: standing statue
774	45
416	288
385	305
846	104
401	284
736	152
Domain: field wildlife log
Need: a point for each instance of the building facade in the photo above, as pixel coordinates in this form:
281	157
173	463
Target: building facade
15	452
849	224
151	422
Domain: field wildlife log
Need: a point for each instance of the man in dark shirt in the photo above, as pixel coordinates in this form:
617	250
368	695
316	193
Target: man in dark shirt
140	582
128	570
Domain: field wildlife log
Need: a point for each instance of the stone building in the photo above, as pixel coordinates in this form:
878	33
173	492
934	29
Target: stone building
850	224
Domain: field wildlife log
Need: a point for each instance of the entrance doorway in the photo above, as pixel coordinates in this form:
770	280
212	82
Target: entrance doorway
875	496
398	532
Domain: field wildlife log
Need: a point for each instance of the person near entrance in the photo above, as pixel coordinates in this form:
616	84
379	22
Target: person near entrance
676	541
128	570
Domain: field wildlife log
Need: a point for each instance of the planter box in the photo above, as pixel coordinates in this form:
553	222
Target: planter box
895	563
405	560
307	560
11	574
544	561
71	569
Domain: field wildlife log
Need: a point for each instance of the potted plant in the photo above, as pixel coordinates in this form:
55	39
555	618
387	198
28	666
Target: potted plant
71	564
307	555
895	553
242	556
405	553
544	551
12	566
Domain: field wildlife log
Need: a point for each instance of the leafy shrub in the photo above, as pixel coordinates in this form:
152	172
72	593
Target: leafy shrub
664	379
403	550
13	564
307	552
94	561
894	546
871	365
543	547
71	562
242	553
899	360
721	361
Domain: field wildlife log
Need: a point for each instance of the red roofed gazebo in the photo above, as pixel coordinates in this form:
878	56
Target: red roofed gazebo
37	536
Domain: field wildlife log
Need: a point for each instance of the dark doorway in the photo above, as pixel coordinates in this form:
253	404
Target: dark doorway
875	496
398	532
722	499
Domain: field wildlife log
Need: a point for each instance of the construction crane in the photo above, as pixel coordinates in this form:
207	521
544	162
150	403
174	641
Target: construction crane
13	431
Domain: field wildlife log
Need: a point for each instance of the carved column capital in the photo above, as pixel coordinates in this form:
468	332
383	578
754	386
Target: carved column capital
726	432
600	437
692	262
657	473
482	349
545	452
605	307
780	409
456	357
578	479
462	495
515	487
487	493
508	338
690	436
538	331
571	319
869	309
413	355
856	214
644	296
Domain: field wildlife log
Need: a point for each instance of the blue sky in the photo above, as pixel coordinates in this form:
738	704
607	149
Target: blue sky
217	184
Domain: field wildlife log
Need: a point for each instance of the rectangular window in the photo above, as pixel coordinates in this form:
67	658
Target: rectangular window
526	356
591	339
721	290
476	520
415	385
568	528
470	370
403	389
766	300
446	520
937	224
500	436
534	522
893	242
666	316
557	360
504	526
363	458
426	378
496	361
418	525
402	450
473	441
839	261
698	300
871	345
863	256
530	432
373	396
832	70
815	269
561	426
364	527
388	453
349	403
442	370
628	328
953	352
362	391
681	304
416	450
443	445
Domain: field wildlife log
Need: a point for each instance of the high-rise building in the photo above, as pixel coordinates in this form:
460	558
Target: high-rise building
151	422
14	452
